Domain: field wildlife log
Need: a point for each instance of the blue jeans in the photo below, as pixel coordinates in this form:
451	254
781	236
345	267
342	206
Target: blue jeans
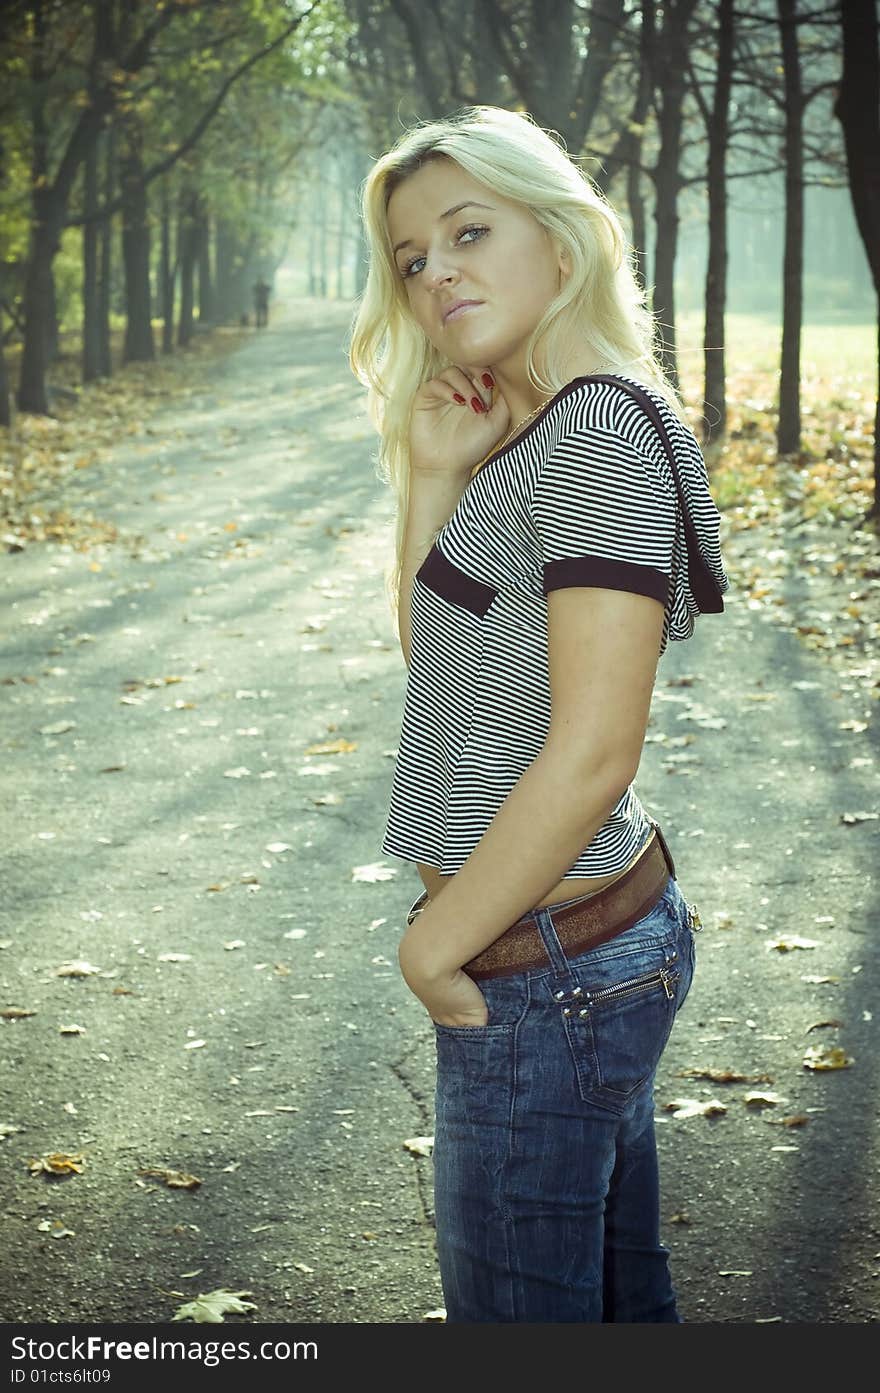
546	1184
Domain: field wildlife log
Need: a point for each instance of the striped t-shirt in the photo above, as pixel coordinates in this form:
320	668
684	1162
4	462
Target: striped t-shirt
584	496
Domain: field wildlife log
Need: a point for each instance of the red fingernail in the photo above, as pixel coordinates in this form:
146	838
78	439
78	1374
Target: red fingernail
486	380
477	404
457	397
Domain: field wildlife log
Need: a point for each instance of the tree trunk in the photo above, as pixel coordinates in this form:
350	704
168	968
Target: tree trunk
166	274
42	242
139	345
207	309
714	392
671	69
322	240
788	431
5	406
345	222
91	356
858	110
361	262
105	355
186	241
227	308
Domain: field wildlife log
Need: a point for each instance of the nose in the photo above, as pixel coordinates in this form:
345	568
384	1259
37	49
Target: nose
439	272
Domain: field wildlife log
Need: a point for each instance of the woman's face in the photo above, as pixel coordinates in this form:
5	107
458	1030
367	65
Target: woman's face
496	254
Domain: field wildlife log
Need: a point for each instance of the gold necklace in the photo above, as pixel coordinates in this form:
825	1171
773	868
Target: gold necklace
497	448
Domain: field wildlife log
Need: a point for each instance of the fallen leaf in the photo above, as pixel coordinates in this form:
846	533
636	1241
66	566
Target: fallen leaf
818	1025
8	1129
57	728
55	1228
419	1146
763	1100
332	747
194	1044
376	870
15	1013
175	1180
735	1272
858	817
277	847
724	1075
691	1107
174	957
439	1313
210	1307
77	968
832	1057
57	1163
71	1030
817	981
789	942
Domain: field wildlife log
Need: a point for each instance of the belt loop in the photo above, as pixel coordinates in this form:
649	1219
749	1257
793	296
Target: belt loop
556	953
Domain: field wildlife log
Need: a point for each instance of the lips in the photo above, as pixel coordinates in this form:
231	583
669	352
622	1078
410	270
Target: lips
457	307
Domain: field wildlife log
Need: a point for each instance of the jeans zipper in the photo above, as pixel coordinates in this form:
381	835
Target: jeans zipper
664	975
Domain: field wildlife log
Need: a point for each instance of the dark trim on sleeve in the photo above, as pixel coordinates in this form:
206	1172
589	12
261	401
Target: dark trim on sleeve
605	574
439	574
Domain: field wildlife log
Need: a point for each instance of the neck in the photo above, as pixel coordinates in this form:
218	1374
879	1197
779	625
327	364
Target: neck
523	397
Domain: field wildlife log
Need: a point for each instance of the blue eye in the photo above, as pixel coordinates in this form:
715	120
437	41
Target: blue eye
408	271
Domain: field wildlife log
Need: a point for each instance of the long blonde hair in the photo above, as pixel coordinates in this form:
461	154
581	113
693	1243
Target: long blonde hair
600	305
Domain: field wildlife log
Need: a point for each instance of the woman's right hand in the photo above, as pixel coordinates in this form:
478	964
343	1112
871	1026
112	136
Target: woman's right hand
450	436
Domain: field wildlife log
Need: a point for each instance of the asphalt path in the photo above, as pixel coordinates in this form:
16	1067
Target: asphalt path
161	696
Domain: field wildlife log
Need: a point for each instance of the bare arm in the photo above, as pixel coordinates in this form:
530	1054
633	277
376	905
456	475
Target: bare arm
603	650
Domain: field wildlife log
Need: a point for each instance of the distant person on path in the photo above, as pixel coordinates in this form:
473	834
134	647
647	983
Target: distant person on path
261	303
542	565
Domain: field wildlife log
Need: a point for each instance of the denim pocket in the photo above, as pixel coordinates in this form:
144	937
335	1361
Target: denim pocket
620	1013
507	1000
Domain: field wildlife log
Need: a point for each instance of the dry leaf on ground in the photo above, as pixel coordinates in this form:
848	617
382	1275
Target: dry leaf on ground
789	942
832	1057
175	1180
763	1100
376	870
419	1146
692	1107
723	1076
58	1163
210	1307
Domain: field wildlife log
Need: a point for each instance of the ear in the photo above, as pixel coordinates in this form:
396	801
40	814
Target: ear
564	263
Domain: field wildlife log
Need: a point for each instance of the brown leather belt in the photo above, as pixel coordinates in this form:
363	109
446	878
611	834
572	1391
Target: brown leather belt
582	924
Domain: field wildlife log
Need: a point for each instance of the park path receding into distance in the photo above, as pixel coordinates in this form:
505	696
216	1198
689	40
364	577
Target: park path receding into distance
247	1025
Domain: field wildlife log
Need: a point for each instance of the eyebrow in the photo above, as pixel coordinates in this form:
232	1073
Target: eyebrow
468	203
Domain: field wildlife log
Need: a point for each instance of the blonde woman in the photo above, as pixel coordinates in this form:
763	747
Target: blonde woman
544	559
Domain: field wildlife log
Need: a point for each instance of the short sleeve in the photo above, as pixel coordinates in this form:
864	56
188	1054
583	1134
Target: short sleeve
601	519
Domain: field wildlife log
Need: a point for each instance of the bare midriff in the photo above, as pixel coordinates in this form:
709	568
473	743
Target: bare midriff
572	889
